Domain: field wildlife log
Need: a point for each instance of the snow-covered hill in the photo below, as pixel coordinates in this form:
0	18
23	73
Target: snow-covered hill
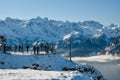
53	63
86	35
40	62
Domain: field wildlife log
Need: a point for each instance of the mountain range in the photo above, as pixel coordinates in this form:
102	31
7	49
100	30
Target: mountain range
86	37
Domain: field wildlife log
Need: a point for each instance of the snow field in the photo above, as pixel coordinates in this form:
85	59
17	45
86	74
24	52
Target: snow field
23	74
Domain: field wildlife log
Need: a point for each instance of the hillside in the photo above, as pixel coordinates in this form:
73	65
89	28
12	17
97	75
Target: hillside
45	63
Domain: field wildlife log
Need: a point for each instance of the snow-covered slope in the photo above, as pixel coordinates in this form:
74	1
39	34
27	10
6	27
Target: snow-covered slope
28	74
48	62
42	62
83	34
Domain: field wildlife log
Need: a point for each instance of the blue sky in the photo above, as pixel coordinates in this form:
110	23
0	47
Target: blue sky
103	11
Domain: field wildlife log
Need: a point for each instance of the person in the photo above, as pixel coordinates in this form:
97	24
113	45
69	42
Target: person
51	48
22	48
19	48
4	48
15	48
37	49
34	49
27	48
41	46
47	48
9	48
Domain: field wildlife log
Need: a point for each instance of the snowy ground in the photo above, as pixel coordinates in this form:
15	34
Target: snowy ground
23	74
44	66
108	65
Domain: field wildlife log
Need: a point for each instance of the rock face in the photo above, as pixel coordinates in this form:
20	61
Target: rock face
87	36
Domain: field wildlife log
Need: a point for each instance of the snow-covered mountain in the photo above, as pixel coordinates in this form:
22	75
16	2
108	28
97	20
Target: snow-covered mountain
87	36
113	47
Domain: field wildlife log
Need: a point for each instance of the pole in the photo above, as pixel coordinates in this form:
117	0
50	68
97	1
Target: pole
70	43
70	48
